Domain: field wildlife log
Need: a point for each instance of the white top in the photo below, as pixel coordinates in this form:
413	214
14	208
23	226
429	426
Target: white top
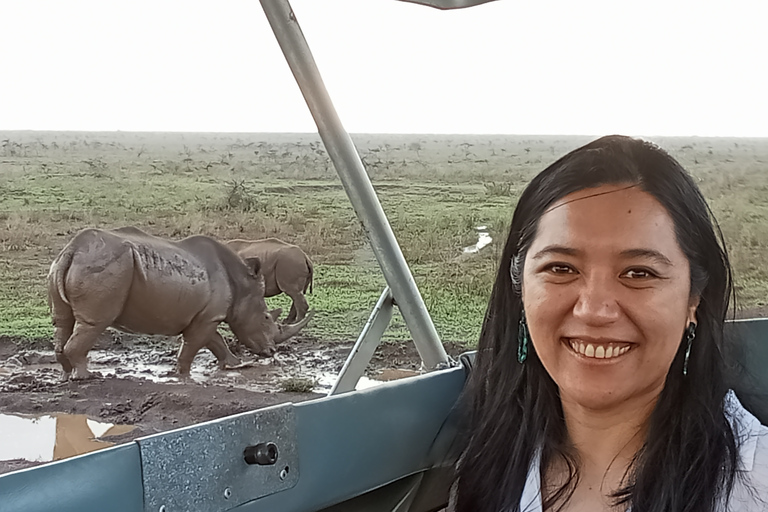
750	489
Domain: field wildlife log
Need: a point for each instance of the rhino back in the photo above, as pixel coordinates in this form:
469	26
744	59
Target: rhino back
225	268
171	288
270	251
137	282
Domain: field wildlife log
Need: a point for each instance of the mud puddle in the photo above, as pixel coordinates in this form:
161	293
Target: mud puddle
38	369
47	438
136	385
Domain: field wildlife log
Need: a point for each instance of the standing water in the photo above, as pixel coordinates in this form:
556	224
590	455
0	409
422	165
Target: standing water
53	437
483	239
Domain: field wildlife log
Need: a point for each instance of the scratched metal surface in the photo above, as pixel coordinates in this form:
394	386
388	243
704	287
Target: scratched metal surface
202	467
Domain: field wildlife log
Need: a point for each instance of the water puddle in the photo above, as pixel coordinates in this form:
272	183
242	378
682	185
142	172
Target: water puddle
325	381
483	239
38	370
53	437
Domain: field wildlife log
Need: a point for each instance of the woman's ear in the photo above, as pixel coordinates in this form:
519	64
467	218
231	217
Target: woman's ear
693	305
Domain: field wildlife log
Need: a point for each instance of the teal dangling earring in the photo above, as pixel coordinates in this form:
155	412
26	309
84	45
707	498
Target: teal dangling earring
522	340
690	334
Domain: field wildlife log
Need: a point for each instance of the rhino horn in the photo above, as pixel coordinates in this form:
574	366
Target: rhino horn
287	331
275	313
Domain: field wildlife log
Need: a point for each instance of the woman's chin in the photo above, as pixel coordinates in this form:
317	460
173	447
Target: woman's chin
607	396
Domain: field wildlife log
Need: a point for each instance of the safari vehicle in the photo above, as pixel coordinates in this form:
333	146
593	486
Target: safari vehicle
388	448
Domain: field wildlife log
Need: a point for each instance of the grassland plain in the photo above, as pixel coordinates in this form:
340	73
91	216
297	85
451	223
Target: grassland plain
435	189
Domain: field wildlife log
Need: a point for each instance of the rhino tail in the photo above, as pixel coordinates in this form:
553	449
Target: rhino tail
311	278
58	273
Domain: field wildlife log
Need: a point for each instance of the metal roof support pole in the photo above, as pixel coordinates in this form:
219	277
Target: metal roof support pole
366	344
342	151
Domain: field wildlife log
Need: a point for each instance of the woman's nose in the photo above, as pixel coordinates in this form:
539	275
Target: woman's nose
597	301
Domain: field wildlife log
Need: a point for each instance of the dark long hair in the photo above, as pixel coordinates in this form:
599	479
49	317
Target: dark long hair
688	459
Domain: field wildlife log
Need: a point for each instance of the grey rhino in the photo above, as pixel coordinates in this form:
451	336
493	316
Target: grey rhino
286	268
140	283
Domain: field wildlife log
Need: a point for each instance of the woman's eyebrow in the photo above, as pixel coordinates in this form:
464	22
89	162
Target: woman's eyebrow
629	253
556	249
647	253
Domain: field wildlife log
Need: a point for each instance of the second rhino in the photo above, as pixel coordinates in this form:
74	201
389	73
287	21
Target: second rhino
286	269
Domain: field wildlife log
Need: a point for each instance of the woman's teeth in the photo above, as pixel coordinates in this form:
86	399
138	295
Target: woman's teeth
601	351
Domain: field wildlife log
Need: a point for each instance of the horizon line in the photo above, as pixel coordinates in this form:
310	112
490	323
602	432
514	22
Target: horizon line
437	134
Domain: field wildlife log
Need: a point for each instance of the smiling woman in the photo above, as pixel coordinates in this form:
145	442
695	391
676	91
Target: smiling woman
599	383
607	297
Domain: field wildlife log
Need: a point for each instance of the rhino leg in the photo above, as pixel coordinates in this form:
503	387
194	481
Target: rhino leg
193	339
63	325
291	318
186	355
61	335
218	346
84	337
299	307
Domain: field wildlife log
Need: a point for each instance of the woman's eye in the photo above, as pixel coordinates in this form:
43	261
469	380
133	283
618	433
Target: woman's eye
560	269
638	273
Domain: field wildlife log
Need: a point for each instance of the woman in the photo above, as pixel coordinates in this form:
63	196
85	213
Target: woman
599	383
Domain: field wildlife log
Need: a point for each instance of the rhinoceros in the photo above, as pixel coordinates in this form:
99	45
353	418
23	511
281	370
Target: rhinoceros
136	282
286	268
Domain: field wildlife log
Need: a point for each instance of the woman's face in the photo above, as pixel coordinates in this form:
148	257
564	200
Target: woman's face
606	291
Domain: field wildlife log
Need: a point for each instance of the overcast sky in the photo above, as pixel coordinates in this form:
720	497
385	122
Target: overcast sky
658	67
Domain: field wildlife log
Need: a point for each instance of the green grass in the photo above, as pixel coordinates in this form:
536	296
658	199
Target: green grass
434	190
297	385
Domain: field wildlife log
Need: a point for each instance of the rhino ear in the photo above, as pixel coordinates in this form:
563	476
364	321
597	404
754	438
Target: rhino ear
254	265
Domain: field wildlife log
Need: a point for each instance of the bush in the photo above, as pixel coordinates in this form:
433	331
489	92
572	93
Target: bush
498	189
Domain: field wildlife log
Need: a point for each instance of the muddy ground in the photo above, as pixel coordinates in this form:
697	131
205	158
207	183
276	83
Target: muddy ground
138	385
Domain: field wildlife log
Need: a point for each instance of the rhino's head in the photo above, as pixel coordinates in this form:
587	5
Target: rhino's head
252	323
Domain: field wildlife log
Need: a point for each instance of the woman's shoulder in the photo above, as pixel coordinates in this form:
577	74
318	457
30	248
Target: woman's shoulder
750	491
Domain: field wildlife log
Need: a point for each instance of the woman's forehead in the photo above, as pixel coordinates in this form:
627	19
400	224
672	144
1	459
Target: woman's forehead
616	191
618	217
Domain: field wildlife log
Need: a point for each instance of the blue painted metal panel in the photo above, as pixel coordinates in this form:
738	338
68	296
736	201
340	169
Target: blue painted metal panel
352	443
348	444
751	352
108	479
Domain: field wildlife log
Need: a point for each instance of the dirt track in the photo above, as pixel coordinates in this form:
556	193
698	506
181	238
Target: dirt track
138	386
